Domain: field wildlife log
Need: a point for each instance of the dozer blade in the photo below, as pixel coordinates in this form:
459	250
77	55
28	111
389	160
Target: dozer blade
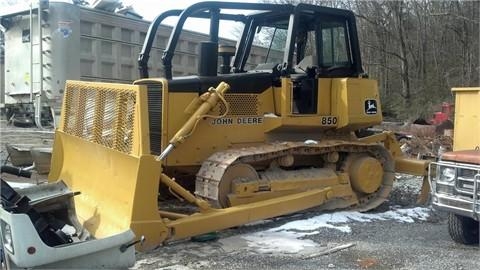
424	192
100	150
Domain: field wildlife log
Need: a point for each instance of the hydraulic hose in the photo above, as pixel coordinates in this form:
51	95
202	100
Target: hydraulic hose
16	171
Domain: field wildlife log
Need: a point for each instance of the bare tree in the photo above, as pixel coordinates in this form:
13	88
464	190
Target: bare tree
417	50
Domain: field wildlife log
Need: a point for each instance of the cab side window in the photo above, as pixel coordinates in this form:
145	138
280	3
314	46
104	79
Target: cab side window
334	44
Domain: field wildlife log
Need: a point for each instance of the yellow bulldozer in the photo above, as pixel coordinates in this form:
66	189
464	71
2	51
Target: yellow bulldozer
237	142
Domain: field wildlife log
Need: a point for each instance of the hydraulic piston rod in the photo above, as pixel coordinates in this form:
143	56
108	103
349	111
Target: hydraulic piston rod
208	101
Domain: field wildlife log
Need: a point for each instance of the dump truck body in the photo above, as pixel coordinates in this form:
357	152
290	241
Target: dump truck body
77	43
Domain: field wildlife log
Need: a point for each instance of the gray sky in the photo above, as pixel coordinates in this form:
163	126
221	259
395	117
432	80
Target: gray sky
151	8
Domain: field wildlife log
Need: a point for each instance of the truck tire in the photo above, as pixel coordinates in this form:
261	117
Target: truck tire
463	230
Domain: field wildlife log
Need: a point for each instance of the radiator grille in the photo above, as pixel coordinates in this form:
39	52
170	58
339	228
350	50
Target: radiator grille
101	114
155	117
240	104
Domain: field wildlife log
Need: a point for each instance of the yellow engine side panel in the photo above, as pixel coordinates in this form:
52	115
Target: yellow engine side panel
242	126
356	102
252	116
467	118
324	96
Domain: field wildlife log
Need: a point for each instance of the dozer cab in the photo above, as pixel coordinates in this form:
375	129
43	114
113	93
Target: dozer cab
238	142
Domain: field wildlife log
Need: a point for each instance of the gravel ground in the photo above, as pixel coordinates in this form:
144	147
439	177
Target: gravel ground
387	244
378	244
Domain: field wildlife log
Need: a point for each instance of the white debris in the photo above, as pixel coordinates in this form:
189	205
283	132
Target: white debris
270	115
310	142
69	230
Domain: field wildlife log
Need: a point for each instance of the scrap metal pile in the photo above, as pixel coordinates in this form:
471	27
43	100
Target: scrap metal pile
422	141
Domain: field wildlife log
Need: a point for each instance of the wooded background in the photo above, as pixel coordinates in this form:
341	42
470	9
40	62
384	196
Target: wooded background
417	50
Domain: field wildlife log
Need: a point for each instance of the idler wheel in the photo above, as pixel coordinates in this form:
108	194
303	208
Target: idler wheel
239	172
366	173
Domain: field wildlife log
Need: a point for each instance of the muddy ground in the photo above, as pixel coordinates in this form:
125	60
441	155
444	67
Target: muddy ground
397	235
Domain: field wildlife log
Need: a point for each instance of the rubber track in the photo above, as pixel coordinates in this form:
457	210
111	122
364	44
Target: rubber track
212	170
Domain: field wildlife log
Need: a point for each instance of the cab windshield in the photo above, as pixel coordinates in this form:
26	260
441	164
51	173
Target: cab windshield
319	43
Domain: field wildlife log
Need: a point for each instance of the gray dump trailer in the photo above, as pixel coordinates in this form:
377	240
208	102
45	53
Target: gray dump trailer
67	41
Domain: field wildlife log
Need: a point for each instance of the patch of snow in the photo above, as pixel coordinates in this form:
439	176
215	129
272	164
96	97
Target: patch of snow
310	142
154	261
259	222
175	267
171	266
140	263
409	214
278	241
288	237
332	219
201	264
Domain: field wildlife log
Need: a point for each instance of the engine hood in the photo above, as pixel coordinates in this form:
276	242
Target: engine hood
464	156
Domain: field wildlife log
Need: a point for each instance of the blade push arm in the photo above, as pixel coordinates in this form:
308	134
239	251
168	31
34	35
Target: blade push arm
207	102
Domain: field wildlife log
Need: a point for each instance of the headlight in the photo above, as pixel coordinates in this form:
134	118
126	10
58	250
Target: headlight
7	236
447	174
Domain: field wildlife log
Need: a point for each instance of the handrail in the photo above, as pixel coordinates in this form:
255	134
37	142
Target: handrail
198	10
144	54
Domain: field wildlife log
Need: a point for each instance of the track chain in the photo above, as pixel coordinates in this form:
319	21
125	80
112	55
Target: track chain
210	174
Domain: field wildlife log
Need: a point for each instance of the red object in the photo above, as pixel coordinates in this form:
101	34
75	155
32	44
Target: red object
445	114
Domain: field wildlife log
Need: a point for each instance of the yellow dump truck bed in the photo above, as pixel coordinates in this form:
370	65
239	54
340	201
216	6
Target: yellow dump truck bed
467	118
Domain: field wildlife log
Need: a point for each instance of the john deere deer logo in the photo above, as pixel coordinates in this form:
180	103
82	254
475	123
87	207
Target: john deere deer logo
371	106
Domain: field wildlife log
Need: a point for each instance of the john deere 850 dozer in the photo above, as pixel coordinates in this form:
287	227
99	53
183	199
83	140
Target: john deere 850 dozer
268	141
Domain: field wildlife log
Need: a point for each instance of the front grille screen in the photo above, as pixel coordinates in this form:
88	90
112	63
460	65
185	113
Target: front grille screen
100	113
155	117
